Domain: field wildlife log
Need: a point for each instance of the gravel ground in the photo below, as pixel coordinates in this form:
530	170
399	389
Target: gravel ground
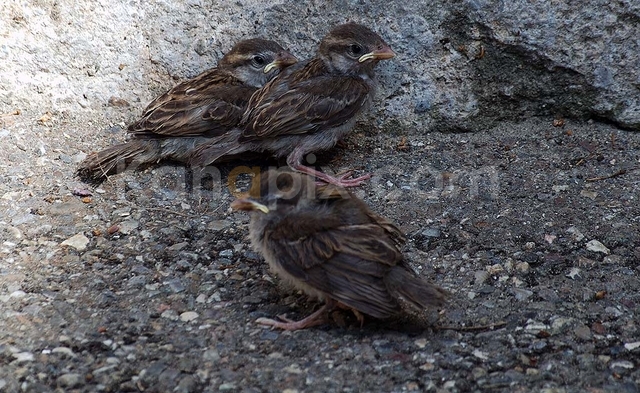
147	284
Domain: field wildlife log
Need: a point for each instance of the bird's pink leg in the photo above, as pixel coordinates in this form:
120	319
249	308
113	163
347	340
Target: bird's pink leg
294	160
317	318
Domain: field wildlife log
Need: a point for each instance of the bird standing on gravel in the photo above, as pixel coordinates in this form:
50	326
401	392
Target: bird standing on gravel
329	244
207	106
310	106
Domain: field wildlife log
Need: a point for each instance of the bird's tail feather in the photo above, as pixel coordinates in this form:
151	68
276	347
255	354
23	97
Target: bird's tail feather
137	153
416	291
115	159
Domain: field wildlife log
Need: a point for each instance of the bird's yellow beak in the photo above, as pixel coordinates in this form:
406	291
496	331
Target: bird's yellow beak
379	54
248	205
283	59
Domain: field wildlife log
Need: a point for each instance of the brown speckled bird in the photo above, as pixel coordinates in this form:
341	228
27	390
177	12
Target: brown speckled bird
310	106
192	112
328	243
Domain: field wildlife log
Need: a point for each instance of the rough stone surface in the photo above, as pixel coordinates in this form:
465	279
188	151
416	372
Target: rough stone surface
501	218
461	65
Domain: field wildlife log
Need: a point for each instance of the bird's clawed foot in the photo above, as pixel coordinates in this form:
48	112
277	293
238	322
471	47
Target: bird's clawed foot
317	318
345	180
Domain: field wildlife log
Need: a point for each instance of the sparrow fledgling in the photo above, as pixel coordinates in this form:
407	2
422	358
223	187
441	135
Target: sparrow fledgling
328	243
207	106
310	106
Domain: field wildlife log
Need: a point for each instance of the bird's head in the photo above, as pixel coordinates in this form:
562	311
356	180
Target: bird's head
284	191
277	191
256	61
353	49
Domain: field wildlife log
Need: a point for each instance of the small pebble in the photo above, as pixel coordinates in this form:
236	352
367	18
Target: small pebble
17	294
421	342
64	351
170	314
225	387
218	225
574	273
128	226
480	355
293	369
589	194
79	242
575	234
632	346
81	192
431	232
534	327
270	335
210	355
522	294
596	246
622	364
560	324
612	259
23	357
582	332
188	316
70	380
176	285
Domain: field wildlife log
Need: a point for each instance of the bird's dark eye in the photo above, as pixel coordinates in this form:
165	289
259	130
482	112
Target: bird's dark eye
259	60
355	49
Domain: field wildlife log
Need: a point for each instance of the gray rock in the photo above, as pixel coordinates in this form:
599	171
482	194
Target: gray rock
210	355
218	225
79	242
170	314
176	285
188	316
137	281
596	246
622	364
23	357
70	380
226	387
431	232
128	226
521	293
151	374
549	295
64	351
461	65
187	384
582	332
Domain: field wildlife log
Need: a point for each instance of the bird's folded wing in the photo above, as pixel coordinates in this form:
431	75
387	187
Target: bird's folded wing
306	108
348	264
356	283
390	228
206	106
